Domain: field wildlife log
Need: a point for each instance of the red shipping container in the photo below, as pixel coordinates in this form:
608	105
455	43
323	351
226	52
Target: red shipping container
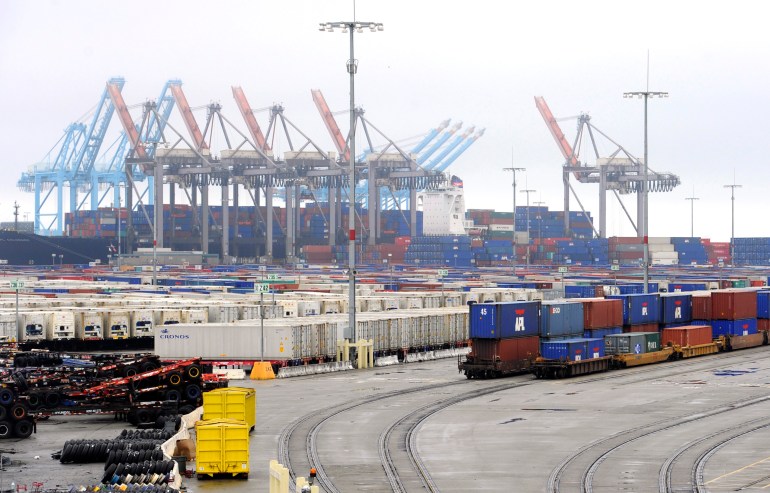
733	304
689	335
701	306
763	324
652	327
601	313
517	349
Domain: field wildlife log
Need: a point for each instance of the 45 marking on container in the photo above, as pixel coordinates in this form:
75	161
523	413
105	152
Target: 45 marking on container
261	288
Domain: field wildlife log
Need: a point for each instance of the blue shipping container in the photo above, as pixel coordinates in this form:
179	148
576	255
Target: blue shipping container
577	349
742	327
684	287
561	319
676	308
763	304
504	320
639	308
593	333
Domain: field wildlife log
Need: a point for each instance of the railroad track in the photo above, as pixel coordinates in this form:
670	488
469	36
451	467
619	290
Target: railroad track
406	431
312	422
683	471
581	466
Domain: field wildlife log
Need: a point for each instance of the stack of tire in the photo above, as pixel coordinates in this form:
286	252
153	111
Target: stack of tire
15	420
36	359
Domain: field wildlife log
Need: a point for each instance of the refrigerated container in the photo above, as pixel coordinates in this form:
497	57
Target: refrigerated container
142	323
118	324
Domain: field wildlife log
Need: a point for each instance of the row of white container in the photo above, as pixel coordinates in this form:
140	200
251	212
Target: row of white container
307	339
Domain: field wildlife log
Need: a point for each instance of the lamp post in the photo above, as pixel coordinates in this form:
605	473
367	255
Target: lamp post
732	222
53	260
528	191
61	259
352	66
692	211
646	95
513	238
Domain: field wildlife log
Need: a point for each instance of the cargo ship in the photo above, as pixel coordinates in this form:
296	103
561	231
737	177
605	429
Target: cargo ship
20	248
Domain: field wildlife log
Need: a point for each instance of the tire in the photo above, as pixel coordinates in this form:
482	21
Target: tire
130	371
108	473
6	397
193	372
144	416
173	395
186	409
175	379
52	399
192	392
35	400
18	411
23	429
148	366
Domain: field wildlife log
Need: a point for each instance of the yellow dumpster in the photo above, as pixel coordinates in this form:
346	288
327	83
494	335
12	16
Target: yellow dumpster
232	403
222	448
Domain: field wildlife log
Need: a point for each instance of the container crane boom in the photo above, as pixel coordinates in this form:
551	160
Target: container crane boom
558	135
460	150
84	161
189	118
248	116
439	142
449	148
431	135
331	124
125	120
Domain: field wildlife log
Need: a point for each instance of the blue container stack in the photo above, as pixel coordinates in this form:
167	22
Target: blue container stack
576	349
582	252
448	251
683	287
751	251
504	320
580	291
675	310
493	250
690	250
639	309
542	222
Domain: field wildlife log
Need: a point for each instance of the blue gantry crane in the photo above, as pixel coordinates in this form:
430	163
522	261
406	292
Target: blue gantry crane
75	163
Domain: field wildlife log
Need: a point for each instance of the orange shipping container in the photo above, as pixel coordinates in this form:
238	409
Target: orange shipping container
689	335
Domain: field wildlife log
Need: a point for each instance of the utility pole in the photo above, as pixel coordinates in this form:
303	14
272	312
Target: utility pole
528	191
692	211
646	95
513	235
352	68
732	222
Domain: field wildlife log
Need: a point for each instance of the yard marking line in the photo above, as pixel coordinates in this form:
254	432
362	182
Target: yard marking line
737	471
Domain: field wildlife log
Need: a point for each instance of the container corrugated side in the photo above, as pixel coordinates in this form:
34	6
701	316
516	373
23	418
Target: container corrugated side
733	304
601	313
506	350
691	335
561	319
675	308
742	327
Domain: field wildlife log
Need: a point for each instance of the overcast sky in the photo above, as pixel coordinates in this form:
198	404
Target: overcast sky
480	63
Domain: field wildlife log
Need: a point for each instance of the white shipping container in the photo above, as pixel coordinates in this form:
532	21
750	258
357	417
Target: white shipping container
142	323
35	326
89	324
330	306
660	247
8	327
118	324
664	255
665	261
194	316
62	325
307	308
209	341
